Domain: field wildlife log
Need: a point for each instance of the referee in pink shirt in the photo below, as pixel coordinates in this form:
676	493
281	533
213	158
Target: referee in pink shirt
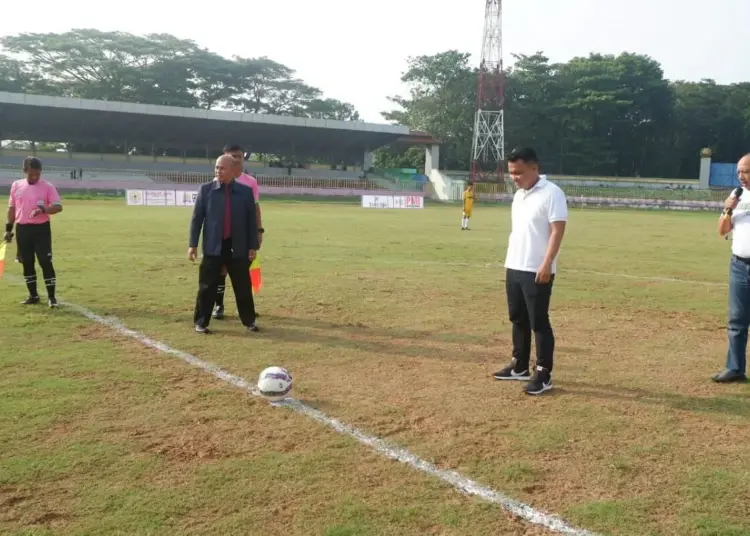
236	152
32	202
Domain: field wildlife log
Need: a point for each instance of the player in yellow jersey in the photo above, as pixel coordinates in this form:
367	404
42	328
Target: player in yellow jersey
468	198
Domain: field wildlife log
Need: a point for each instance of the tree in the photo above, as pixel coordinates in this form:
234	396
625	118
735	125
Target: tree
331	109
156	69
16	77
594	115
441	101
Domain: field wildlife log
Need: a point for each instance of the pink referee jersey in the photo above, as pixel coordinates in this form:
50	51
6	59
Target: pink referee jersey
25	197
250	181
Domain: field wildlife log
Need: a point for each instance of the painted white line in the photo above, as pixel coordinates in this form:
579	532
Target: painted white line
486	265
381	446
653	279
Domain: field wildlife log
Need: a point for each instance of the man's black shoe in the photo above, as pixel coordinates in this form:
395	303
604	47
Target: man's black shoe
541	382
513	372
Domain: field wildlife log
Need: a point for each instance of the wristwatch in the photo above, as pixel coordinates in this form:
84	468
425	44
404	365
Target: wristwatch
261	230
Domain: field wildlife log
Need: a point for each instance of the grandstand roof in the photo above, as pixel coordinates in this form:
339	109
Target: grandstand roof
57	119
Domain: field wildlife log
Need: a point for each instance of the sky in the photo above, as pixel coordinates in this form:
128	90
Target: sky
358	55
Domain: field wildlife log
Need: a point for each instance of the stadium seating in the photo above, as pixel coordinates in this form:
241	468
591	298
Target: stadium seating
58	167
89	162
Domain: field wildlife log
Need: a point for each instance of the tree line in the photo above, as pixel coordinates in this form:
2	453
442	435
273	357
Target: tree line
157	69
596	115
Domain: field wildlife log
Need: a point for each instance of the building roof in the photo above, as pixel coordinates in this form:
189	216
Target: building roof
58	119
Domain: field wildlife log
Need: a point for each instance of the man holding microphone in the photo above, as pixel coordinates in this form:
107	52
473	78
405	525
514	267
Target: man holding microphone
225	213
736	218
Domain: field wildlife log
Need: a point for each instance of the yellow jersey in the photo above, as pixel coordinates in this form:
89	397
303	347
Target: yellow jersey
468	198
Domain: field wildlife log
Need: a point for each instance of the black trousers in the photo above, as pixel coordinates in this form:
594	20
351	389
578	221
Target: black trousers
35	240
528	308
208	282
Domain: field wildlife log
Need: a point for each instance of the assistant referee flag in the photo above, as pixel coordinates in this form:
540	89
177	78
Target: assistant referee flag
2	257
256	279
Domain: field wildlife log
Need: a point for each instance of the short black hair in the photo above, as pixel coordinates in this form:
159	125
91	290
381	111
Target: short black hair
232	147
32	162
526	155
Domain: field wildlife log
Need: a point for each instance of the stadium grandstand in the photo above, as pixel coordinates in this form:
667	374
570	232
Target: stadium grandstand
139	129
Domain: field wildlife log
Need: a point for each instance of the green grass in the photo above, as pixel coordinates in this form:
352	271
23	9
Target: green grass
391	321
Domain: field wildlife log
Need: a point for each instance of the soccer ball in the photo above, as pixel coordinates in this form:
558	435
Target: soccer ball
274	383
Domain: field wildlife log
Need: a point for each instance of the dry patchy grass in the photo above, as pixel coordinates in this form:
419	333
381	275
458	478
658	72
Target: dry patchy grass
391	321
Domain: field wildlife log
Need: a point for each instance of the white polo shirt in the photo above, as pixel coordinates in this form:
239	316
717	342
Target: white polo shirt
531	214
741	226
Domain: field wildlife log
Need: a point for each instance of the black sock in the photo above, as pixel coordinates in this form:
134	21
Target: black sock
31	285
220	291
50	284
48	271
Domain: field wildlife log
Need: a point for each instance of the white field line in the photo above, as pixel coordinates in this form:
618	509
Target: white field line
381	446
490	265
654	279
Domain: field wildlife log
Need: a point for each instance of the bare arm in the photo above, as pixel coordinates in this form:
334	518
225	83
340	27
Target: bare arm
257	215
556	232
11	209
53	209
725	224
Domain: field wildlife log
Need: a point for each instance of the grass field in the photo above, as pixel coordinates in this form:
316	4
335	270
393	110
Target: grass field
391	321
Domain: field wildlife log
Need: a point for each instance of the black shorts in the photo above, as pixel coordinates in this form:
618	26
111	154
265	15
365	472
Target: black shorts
34	239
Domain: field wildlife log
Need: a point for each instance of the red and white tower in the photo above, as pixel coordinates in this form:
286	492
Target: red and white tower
488	147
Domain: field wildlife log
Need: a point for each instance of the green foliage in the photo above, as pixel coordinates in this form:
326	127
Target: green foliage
596	115
157	69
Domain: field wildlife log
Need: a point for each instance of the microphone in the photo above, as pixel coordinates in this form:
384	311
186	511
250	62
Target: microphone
737	193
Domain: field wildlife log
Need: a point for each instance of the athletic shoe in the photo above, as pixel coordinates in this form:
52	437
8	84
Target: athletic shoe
513	372
52	303
202	329
541	382
31	300
218	313
253	328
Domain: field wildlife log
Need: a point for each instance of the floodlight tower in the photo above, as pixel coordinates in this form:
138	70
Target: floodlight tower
488	147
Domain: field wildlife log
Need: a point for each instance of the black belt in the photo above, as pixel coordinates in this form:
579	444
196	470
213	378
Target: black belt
742	259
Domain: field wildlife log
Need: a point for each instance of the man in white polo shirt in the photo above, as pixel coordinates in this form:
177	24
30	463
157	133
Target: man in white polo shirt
538	217
736	218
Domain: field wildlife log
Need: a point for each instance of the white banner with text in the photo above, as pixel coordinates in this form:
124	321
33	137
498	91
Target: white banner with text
161	198
392	201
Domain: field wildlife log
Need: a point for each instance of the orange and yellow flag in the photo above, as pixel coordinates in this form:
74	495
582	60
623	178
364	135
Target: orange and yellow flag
256	279
3	247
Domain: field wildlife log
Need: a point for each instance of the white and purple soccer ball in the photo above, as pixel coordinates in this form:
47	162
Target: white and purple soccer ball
274	383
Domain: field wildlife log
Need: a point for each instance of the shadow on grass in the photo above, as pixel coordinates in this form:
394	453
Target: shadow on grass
736	403
444	345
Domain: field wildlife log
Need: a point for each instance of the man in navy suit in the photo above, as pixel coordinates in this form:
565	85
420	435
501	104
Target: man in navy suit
225	213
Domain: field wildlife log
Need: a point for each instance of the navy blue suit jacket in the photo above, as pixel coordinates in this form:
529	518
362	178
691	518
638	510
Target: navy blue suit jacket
208	216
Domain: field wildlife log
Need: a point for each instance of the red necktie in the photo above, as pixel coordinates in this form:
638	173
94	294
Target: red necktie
227	214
